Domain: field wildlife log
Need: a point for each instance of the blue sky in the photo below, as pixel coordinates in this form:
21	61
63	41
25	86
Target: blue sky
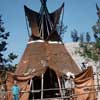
78	14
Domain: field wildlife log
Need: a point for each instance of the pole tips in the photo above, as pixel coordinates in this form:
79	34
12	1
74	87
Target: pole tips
43	1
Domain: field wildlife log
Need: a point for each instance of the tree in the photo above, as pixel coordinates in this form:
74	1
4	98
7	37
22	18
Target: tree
96	30
88	37
61	29
74	36
81	40
5	63
90	49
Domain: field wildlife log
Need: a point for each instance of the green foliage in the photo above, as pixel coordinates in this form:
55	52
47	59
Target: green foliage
95	57
12	57
96	30
89	50
81	39
74	36
97	44
61	28
88	37
5	63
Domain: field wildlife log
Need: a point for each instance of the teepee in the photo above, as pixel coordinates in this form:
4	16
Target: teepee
45	58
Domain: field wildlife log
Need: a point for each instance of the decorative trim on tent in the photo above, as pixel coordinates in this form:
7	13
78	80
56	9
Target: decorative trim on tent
35	41
54	42
41	41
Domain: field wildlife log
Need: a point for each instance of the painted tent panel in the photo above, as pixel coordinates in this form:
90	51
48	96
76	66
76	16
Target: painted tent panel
84	82
60	60
32	59
54	53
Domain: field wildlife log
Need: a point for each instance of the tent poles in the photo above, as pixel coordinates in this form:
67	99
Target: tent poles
42	86
33	88
60	87
48	18
30	82
47	26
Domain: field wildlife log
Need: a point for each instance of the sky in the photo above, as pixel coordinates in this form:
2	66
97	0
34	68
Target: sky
78	14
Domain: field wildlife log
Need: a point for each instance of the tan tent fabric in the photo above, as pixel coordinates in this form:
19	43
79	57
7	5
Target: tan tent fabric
56	56
32	59
84	82
9	84
31	63
30	75
60	60
25	96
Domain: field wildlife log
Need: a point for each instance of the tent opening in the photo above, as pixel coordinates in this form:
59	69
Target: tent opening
35	88
45	86
50	84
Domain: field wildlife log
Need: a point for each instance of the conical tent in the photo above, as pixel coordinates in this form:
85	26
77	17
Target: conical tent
45	57
45	49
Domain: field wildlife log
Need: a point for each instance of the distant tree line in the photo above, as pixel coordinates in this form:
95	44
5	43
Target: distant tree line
91	49
79	37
